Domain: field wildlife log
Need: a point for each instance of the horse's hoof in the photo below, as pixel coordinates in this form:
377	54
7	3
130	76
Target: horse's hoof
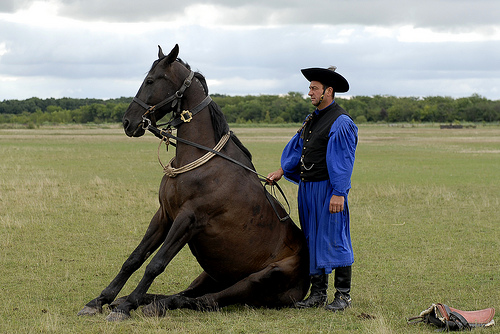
87	310
117	316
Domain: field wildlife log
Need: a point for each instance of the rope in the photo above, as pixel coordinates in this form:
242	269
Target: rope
165	136
173	172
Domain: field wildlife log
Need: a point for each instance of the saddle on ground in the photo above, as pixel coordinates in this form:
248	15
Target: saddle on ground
451	319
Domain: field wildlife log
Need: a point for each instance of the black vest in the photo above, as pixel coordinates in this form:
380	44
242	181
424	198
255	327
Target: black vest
315	135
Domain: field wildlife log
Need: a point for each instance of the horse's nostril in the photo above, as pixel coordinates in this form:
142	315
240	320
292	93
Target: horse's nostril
125	123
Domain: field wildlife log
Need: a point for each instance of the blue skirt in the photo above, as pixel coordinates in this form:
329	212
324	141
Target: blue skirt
328	234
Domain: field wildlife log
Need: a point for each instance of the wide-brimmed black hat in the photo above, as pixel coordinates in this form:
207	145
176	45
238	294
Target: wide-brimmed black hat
328	77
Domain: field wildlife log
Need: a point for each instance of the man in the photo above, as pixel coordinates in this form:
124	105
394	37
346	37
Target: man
320	158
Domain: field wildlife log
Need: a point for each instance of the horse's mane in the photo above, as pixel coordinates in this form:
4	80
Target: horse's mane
219	122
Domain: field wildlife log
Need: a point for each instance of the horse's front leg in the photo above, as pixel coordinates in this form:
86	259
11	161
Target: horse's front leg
153	238
178	236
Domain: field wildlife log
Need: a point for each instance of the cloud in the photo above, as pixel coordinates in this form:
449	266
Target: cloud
95	48
444	15
440	14
11	6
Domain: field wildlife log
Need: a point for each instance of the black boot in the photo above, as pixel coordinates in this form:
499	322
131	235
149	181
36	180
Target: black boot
317	297
342	284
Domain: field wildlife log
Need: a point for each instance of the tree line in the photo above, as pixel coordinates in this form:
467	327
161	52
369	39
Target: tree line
271	109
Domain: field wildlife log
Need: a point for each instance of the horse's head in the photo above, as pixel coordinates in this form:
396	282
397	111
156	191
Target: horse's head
159	94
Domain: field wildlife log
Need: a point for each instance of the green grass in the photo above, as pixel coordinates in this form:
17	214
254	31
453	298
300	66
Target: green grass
74	202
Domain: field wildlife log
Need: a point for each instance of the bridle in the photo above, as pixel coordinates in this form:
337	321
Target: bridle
175	99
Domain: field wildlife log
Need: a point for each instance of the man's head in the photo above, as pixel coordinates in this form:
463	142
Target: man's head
324	84
320	94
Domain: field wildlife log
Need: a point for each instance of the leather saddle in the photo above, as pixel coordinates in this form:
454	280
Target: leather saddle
451	319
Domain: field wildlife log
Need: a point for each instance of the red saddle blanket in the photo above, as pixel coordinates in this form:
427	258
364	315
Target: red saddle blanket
452	319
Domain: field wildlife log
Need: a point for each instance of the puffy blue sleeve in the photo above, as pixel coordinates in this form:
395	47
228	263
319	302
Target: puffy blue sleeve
340	154
290	159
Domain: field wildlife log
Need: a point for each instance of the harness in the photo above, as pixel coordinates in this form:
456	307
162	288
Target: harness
185	117
175	99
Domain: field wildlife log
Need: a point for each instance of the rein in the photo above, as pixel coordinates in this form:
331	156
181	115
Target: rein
185	117
162	134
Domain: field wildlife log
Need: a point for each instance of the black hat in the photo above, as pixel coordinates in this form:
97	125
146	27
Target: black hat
328	77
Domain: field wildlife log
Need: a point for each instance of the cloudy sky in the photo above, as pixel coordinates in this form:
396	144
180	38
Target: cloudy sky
103	48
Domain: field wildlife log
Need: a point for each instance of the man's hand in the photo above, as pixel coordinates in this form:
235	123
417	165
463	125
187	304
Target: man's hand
275	176
336	204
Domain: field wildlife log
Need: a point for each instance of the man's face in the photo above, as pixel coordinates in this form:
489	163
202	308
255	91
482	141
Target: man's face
315	92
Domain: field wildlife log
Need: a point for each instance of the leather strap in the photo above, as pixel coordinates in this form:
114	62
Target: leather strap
175	98
203	104
457	320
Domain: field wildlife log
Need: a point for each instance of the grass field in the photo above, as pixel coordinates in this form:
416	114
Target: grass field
75	201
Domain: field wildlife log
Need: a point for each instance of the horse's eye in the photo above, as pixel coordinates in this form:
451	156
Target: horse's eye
149	81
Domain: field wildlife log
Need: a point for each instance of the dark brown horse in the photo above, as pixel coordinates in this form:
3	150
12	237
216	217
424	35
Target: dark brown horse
220	209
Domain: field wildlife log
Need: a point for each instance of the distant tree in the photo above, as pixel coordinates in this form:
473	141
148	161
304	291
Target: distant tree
292	107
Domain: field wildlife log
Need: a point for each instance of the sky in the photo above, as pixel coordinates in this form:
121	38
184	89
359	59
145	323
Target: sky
104	48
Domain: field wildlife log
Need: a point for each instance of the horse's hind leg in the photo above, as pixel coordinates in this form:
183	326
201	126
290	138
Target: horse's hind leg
278	285
202	285
148	299
153	238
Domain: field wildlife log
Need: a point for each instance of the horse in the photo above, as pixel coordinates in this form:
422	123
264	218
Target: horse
250	250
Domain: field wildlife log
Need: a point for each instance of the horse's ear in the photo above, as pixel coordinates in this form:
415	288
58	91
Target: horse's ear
160	52
172	56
